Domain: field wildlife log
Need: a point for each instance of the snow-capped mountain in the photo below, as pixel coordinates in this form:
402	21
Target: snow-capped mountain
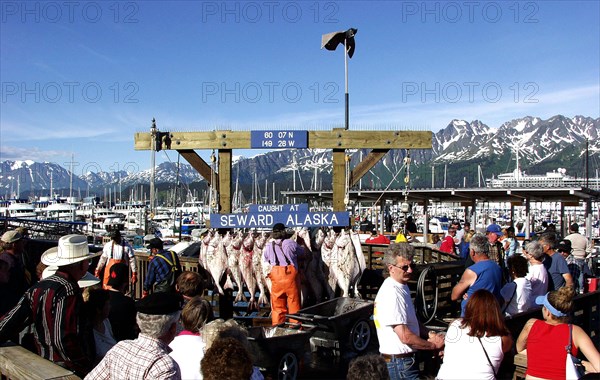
459	151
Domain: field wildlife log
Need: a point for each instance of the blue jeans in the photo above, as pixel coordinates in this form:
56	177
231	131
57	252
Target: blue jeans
403	368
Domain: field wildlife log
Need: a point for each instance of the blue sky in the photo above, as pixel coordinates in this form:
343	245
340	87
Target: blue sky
81	78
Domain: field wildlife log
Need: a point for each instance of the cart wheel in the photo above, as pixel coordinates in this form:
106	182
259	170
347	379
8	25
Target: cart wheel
360	336
288	367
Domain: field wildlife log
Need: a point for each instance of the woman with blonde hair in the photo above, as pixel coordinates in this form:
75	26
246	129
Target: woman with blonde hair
546	340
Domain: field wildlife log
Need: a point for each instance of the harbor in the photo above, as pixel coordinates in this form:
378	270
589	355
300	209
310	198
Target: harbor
220	246
291	190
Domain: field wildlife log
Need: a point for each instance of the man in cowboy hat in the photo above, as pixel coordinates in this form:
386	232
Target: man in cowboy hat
53	306
146	357
13	278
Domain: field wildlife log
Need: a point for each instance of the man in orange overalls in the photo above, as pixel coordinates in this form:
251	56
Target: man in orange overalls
116	251
282	254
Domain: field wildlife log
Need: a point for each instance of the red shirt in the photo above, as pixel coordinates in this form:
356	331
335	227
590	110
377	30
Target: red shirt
448	245
546	353
379	239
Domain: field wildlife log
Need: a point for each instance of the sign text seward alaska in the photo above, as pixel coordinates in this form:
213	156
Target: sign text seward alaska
265	216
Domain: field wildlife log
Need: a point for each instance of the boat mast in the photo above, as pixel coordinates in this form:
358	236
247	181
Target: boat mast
236	197
71	176
518	174
587	163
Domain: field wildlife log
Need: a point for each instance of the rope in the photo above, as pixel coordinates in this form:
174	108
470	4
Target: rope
213	179
347	185
422	308
389	184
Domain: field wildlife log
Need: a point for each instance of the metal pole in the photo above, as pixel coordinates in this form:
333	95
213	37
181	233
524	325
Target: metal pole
346	72
152	164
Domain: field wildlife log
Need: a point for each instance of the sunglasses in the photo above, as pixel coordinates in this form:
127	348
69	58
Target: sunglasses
412	266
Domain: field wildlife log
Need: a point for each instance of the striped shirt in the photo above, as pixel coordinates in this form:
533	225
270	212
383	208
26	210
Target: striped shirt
143	358
53	306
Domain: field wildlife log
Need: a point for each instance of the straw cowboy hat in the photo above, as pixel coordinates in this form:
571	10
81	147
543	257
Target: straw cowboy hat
87	280
71	249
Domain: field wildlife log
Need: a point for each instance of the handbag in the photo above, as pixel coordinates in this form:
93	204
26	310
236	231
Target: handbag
574	367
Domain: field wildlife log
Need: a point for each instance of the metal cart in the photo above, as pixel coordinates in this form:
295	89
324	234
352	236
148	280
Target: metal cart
278	349
339	323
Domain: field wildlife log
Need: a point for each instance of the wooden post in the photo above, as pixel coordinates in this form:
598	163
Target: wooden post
339	179
224	181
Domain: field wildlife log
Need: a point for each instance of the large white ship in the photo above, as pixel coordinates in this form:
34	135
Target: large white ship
557	178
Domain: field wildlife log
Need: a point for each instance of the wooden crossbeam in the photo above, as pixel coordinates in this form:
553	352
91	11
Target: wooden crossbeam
337	138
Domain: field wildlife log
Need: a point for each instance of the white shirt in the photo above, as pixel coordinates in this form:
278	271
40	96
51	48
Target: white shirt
522	300
538	275
464	357
580	245
458	238
115	251
188	351
393	306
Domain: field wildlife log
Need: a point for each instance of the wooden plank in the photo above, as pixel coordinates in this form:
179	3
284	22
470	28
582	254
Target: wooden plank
366	164
338	138
348	139
199	164
18	363
198	140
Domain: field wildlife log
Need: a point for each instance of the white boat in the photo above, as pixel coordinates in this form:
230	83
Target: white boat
61	211
192	207
21	209
556	178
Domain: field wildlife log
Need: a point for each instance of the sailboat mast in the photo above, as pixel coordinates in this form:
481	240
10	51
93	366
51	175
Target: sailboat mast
587	163
518	168
71	177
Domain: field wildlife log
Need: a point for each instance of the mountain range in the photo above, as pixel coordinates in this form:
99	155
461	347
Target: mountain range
462	155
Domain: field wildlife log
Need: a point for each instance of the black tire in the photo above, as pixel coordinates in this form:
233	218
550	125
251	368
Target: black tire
288	367
360	336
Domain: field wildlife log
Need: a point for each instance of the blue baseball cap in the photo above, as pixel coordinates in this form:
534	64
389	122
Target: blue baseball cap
494	228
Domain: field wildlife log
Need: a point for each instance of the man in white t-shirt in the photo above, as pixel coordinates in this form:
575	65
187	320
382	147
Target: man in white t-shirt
398	330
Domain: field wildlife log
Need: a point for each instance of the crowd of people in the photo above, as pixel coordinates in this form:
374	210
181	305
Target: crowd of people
91	325
498	282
